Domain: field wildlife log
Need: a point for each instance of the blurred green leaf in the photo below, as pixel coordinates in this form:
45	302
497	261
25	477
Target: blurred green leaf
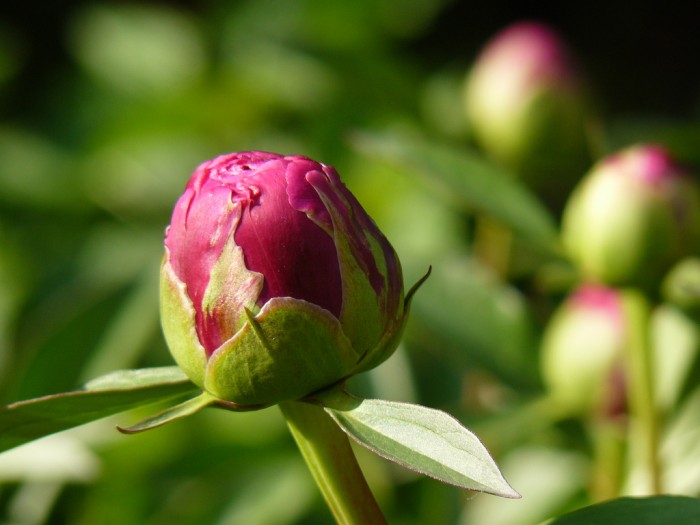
468	180
659	510
138	48
465	309
675	344
36	174
680	449
67	327
276	494
421	439
25	421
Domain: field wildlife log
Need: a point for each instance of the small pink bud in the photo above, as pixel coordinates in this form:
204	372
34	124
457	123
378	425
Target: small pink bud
582	352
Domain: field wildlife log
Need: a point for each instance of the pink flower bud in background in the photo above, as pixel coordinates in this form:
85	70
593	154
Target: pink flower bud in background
633	215
525	105
582	352
276	283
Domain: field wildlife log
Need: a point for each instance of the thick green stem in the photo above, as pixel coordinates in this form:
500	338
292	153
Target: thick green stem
332	462
644	428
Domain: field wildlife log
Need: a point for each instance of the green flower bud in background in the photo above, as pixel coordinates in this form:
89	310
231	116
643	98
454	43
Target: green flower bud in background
525	105
582	349
633	215
681	286
276	283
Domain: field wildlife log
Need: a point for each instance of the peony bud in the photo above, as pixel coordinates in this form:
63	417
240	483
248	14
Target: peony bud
681	286
632	217
582	350
276	283
525	106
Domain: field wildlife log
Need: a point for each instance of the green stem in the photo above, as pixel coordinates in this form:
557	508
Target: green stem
332	462
493	244
644	430
609	439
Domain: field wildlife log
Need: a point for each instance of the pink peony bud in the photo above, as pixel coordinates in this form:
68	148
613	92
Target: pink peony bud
632	216
276	282
525	105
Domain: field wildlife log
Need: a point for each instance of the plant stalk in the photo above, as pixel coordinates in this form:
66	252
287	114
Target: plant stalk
493	245
330	458
644	430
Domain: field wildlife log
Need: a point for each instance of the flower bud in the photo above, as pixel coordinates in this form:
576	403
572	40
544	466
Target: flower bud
524	103
276	283
681	286
582	349
631	217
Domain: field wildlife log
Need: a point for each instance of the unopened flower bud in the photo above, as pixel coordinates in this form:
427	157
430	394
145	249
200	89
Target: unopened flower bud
582	351
525	104
275	282
681	286
631	217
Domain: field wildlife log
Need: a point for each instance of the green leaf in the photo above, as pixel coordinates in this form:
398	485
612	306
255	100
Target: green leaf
144	377
659	510
500	336
469	181
422	439
26	421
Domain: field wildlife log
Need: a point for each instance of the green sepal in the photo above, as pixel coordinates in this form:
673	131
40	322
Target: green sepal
173	413
290	349
177	316
361	314
392	336
186	408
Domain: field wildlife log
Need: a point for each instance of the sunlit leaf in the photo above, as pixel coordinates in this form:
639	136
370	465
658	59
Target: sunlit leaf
422	439
25	421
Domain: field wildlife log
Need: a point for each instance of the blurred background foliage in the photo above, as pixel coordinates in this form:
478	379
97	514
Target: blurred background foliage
106	109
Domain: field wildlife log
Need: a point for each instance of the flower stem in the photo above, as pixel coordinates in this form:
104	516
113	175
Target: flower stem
493	245
644	429
609	448
332	462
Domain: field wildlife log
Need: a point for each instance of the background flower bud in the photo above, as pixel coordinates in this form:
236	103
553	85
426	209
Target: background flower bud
276	282
525	106
681	286
582	350
632	217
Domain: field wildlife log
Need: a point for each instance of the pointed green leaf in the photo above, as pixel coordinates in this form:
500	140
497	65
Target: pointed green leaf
26	421
679	510
422	439
184	409
468	180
